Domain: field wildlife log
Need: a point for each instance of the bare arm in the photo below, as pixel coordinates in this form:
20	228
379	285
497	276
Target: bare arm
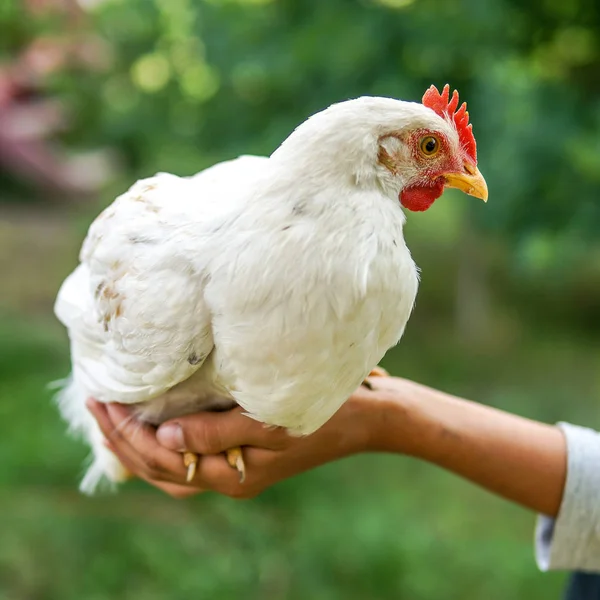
519	459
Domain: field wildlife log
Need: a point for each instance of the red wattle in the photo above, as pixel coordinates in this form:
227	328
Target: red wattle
420	198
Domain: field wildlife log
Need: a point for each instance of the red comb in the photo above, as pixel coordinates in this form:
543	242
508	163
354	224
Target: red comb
446	107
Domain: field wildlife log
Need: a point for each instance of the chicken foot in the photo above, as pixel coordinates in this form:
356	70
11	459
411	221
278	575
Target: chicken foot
375	372
235	458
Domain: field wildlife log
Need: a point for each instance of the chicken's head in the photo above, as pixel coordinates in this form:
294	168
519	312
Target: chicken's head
438	152
411	151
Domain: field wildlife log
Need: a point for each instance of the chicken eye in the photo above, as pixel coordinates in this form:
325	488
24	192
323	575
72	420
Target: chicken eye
429	145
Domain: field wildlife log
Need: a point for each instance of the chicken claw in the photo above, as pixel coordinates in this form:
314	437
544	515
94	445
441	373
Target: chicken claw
190	460
375	372
378	372
235	458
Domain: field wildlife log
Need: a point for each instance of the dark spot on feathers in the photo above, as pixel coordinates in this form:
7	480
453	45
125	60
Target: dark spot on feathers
108	293
394	242
194	359
299	209
286	228
140	239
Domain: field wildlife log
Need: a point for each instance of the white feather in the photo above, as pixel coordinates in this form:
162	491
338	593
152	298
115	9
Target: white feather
277	283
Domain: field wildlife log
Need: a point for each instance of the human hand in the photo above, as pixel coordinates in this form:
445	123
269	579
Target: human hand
270	454
519	459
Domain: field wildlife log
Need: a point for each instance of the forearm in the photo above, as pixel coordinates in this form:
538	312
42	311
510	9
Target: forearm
517	458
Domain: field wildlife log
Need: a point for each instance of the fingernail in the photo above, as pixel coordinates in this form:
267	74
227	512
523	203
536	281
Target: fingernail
170	435
90	403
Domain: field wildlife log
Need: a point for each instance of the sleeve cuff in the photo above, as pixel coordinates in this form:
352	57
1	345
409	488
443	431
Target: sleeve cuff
572	540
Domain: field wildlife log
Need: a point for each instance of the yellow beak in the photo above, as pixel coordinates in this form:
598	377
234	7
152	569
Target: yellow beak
470	181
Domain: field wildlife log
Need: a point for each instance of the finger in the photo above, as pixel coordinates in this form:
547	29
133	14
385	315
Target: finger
99	412
132	466
176	491
215	432
136	444
214	473
173	489
115	442
141	444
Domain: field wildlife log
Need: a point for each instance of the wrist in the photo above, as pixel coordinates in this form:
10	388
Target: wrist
400	418
356	426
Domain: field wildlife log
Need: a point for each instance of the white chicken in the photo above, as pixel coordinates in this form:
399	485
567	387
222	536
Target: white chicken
274	283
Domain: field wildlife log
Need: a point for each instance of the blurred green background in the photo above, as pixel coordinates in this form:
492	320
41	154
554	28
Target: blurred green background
95	94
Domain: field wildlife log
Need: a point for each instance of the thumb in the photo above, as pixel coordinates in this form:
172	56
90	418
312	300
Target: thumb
170	435
206	432
215	432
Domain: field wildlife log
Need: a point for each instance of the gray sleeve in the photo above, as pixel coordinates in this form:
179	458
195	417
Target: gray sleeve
572	540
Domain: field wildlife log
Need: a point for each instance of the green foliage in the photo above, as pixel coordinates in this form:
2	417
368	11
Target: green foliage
195	81
192	82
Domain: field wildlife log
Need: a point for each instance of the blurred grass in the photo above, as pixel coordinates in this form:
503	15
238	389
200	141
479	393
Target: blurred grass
367	527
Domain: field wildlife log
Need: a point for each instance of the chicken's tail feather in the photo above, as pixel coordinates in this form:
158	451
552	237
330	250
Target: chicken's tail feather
104	469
